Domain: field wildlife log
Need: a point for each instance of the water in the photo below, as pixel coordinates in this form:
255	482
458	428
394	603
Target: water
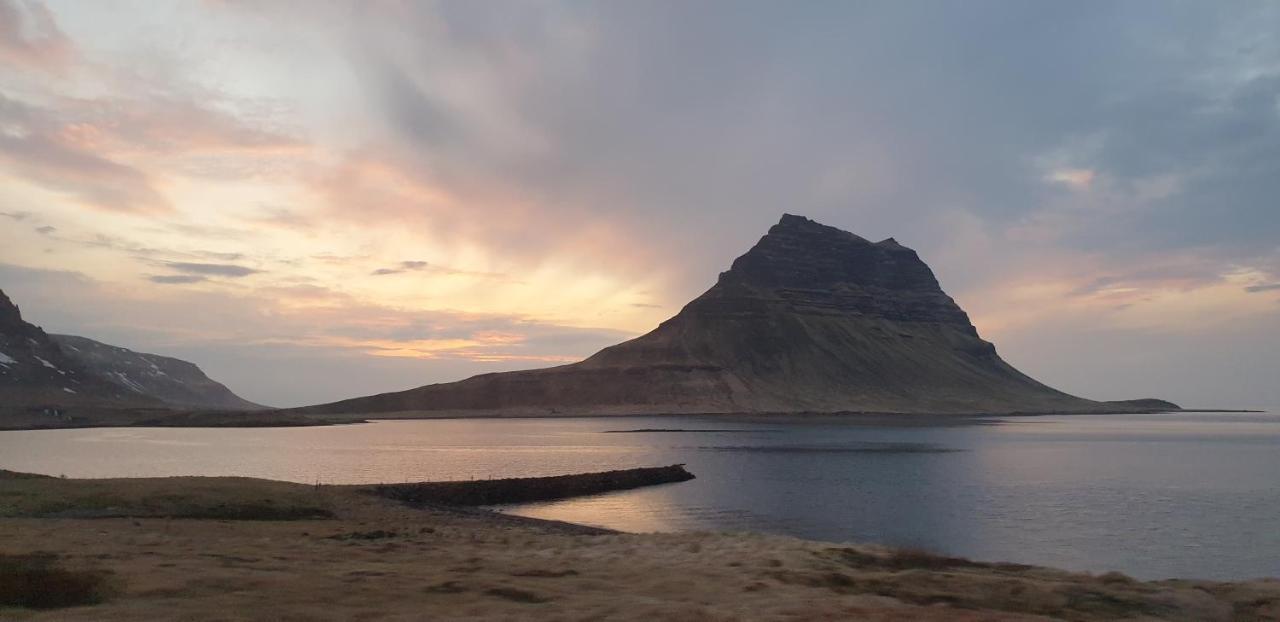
1188	495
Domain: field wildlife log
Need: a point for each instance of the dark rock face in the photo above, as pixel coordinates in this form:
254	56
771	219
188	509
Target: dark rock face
36	373
173	381
56	374
811	319
816	269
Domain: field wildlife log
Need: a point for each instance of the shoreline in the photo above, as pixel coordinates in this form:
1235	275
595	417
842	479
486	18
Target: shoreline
174	550
270	419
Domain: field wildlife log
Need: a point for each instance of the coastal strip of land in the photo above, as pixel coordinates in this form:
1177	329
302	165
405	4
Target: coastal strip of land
527	489
250	549
54	418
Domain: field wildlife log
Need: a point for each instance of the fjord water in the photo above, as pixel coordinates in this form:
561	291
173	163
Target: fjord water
1155	496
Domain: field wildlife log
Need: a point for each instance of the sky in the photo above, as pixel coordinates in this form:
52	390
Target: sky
319	200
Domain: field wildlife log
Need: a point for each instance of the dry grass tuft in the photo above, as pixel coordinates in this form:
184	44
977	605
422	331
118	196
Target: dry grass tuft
38	581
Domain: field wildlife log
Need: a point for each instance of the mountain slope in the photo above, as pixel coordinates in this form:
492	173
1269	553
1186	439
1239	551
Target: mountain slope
44	373
36	373
811	319
173	381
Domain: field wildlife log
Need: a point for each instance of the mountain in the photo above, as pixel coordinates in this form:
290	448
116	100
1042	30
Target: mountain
53	374
36	372
811	319
172	381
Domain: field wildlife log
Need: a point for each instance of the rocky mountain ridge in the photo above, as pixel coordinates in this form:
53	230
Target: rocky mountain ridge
173	381
51	375
811	319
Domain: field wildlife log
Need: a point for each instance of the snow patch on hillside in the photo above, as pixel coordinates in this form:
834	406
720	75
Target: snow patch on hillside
5	359
128	382
50	366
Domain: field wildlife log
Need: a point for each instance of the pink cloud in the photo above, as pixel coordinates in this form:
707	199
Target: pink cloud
179	126
106	153
30	37
51	161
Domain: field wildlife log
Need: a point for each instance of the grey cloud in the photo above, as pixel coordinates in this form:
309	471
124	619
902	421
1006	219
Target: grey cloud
45	230
114	243
211	269
1190	273
879	118
1094	286
423	266
17	215
217	255
404	266
166	279
1253	289
130	247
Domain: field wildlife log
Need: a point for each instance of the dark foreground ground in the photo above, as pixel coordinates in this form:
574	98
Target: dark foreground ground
235	549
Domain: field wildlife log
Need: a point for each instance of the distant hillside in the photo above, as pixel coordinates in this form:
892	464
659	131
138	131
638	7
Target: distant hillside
36	372
173	381
49	375
811	319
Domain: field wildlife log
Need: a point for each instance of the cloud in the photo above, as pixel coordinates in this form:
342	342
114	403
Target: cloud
211	269
1268	287
167	279
31	38
34	147
1184	273
45	230
1077	178
95	181
19	216
304	337
1108	161
423	266
404	266
283	217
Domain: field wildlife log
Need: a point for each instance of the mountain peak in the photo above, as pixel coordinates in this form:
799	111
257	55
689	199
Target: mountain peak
9	313
799	254
791	225
810	319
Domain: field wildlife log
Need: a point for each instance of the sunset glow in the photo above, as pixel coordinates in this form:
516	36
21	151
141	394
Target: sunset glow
414	192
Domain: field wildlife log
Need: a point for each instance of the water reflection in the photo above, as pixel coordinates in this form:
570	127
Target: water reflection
1153	495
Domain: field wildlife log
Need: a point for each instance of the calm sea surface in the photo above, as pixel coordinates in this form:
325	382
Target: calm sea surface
1188	495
